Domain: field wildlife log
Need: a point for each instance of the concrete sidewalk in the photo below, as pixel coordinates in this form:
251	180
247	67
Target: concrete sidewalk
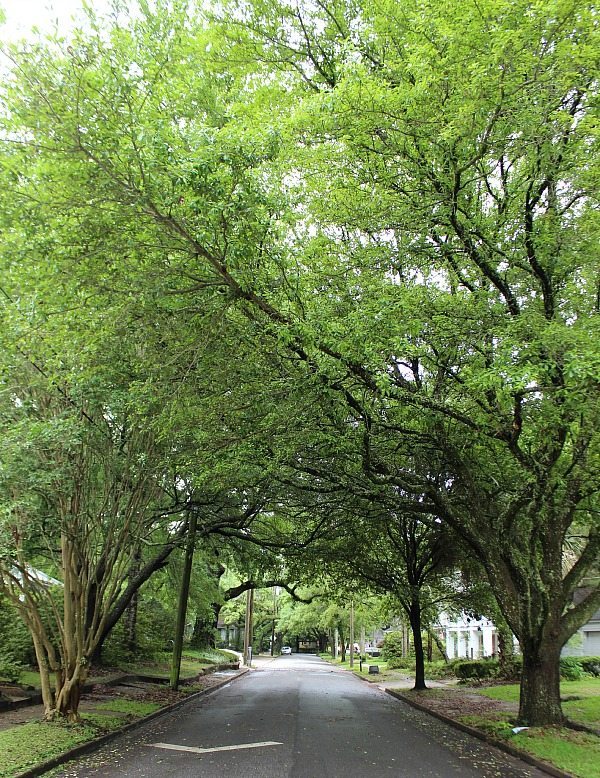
408	683
260	660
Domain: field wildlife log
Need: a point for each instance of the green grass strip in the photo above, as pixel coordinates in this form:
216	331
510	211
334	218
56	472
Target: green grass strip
26	745
575	752
132	707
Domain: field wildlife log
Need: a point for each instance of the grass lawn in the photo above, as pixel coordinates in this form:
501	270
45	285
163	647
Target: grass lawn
211	656
30	678
189	668
29	744
585	710
26	745
131	707
192	662
575	752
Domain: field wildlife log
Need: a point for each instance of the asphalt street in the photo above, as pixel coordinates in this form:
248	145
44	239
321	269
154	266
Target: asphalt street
297	717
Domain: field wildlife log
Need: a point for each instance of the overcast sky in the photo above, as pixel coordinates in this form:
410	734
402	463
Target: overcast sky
22	15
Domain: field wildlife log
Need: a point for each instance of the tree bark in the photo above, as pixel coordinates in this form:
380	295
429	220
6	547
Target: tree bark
67	700
415	625
183	601
505	649
131	613
440	645
540	685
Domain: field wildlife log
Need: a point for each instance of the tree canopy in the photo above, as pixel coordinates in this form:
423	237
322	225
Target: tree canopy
320	252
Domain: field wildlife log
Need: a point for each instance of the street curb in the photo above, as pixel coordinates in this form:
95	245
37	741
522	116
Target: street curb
92	745
500	745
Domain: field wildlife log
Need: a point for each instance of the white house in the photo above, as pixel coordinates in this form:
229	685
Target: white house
468	638
36	576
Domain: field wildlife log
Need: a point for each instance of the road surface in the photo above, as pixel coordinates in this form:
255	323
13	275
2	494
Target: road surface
297	717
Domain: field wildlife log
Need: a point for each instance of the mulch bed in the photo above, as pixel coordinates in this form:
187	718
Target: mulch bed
455	703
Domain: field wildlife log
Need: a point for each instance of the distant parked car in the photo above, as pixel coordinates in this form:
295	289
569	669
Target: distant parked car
286	650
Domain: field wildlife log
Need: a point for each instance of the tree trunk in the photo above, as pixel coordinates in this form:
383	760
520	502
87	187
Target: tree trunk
440	645
134	583
540	685
67	698
131	613
184	594
130	624
405	641
505	649
415	624
44	670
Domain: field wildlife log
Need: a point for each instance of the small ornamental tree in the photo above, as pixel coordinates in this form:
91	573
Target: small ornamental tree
78	497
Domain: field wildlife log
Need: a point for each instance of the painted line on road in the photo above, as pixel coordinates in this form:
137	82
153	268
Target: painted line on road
194	750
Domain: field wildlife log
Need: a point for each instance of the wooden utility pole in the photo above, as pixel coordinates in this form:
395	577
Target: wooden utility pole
274	617
248	628
351	633
183	600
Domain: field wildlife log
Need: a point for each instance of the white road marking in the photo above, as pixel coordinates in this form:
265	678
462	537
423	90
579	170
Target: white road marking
193	750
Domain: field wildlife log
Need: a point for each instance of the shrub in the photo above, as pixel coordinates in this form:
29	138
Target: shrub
10	669
571	669
511	668
392	646
155	632
476	669
401	663
15	640
590	665
439	669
